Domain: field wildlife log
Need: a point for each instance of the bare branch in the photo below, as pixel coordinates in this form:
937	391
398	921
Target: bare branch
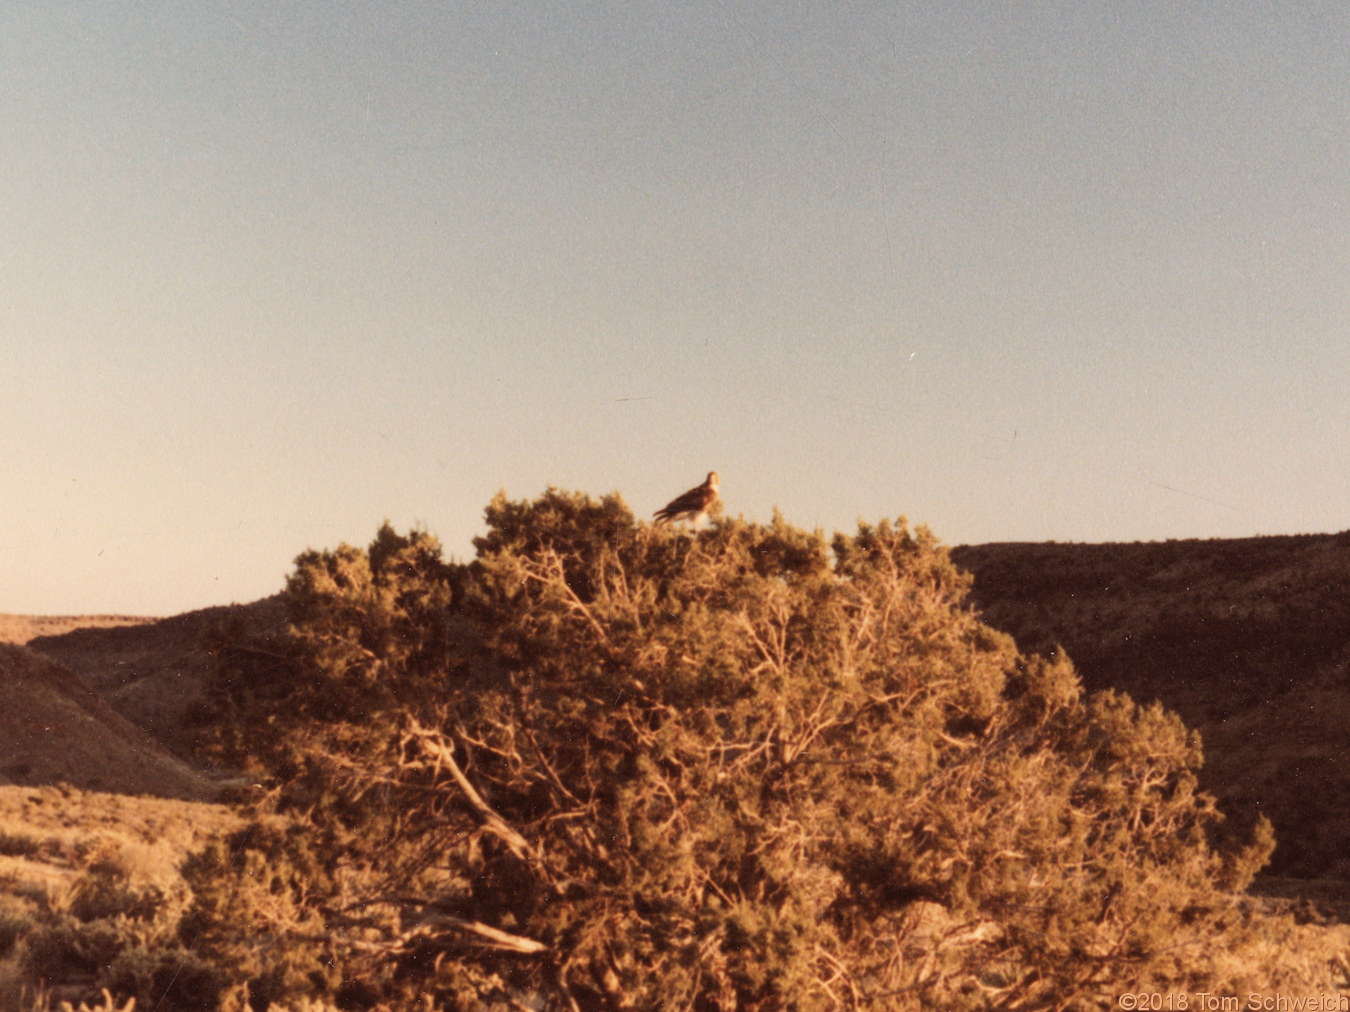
444	756
495	938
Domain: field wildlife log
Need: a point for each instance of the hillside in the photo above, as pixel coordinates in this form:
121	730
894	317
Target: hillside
109	706
1247	640
151	672
55	729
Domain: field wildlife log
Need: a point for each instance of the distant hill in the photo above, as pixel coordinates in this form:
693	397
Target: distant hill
1248	640
152	672
22	628
107	707
55	729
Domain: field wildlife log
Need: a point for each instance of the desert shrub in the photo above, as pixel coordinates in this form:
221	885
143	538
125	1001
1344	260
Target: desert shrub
366	629
61	947
101	895
745	769
19	844
107	917
168	979
14	924
261	884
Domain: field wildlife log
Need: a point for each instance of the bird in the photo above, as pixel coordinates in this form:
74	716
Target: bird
693	504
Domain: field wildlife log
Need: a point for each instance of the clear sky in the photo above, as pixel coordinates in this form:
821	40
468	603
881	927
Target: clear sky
272	273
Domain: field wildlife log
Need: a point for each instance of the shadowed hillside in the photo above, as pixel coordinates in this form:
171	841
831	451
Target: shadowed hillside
152	672
55	729
1247	640
98	706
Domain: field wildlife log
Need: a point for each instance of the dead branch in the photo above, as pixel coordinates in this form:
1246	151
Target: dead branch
443	756
495	938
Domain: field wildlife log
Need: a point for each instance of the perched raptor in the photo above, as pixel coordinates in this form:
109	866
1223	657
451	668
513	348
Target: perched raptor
692	505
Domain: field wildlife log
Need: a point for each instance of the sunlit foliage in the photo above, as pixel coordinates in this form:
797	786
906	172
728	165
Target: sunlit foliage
608	766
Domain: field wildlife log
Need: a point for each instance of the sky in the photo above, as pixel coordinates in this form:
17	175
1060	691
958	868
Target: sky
272	274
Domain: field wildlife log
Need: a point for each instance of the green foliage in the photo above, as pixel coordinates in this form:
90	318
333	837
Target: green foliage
256	912
369	633
614	766
62	947
169	979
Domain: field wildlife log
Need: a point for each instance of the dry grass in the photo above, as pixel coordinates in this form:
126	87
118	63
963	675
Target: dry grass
60	831
1281	955
52	838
